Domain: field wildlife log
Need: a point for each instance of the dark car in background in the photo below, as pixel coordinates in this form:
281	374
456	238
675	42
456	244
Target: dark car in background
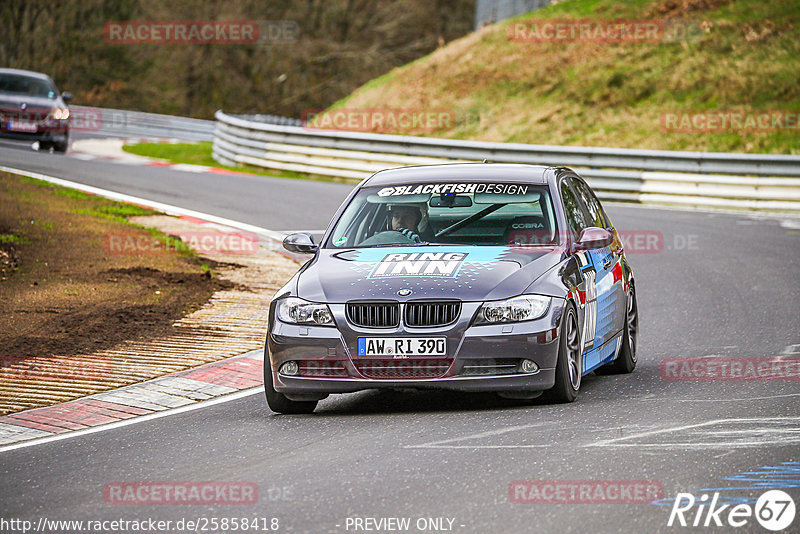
32	109
469	277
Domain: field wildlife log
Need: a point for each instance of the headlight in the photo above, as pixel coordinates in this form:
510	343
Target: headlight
514	310
299	311
60	114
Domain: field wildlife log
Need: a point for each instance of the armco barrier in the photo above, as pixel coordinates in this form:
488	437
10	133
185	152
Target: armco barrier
122	123
107	122
705	179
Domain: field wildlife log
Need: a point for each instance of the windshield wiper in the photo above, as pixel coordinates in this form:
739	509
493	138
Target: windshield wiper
383	245
469	220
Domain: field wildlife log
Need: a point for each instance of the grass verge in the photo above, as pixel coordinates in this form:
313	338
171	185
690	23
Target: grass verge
712	56
66	290
200	154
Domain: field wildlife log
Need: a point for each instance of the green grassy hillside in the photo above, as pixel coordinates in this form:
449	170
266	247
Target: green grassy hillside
709	56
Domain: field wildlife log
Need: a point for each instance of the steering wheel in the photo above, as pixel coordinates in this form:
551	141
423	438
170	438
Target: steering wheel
388	237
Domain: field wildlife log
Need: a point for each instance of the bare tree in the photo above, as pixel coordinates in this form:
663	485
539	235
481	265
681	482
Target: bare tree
342	44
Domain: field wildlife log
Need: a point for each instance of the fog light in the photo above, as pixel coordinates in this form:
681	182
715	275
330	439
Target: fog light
289	369
529	366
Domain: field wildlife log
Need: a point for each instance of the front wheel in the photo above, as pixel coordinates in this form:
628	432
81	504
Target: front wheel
279	403
570	360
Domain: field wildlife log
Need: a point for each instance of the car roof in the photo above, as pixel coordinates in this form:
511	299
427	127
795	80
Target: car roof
30	73
471	172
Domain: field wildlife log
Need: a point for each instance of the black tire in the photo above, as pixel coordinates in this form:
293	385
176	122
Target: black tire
626	361
570	360
278	402
60	147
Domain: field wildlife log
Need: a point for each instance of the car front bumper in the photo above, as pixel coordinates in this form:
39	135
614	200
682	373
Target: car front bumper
480	358
48	133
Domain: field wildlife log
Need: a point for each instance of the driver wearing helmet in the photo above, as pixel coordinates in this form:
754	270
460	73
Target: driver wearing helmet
410	220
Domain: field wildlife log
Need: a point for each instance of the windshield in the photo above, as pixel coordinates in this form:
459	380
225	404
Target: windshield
25	85
463	213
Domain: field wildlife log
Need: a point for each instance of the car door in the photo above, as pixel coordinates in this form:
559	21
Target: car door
597	272
578	220
612	306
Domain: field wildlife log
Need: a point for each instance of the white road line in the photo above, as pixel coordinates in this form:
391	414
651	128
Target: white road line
166	208
426	446
791	349
738	400
490	433
134	420
785	436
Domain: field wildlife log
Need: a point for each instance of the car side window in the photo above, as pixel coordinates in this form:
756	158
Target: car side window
576	217
596	214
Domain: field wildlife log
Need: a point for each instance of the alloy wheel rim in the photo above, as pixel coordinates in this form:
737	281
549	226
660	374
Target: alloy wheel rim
573	352
633	324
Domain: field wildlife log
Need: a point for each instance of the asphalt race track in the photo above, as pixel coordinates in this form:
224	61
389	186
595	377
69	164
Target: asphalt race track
718	284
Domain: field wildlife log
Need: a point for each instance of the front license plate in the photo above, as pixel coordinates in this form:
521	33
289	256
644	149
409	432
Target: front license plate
402	346
22	126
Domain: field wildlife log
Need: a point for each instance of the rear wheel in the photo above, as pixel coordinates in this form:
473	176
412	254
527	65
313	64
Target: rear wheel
279	403
570	360
60	147
626	361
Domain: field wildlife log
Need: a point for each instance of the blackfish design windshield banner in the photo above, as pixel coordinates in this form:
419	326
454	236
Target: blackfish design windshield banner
454	188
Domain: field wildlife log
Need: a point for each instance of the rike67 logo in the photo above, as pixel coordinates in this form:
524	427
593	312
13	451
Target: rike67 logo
774	510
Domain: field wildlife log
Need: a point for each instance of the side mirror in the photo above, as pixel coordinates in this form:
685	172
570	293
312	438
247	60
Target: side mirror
300	243
66	97
593	237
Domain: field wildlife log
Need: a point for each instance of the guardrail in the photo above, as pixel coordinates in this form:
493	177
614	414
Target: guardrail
703	179
107	122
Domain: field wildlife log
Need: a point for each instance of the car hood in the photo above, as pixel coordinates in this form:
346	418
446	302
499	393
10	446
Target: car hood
464	273
11	103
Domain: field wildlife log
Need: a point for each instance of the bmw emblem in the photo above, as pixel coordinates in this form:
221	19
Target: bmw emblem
404	292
